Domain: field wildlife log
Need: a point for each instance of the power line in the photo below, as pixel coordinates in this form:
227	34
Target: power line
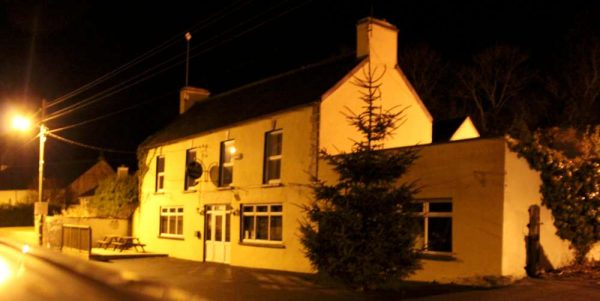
110	114
110	150
205	22
132	81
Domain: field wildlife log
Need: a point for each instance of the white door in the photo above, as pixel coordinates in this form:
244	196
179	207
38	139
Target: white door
217	233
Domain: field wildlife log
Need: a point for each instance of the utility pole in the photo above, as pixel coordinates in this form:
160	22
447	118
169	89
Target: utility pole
41	207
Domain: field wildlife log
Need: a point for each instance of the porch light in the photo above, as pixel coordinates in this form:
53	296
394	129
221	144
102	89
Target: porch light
232	150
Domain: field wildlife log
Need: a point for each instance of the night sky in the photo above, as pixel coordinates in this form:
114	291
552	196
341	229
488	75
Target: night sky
50	48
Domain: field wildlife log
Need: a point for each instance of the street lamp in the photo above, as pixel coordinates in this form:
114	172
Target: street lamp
22	123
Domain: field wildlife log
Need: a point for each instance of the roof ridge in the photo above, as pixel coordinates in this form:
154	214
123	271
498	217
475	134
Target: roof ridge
280	75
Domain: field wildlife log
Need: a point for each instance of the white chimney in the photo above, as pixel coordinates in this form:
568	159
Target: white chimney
188	96
378	39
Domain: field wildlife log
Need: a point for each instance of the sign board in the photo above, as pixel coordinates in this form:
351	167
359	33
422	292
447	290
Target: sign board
194	170
40	208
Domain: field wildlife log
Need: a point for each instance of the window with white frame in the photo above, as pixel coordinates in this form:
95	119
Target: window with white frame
226	163
190	182
171	222
434	218
272	164
262	223
160	173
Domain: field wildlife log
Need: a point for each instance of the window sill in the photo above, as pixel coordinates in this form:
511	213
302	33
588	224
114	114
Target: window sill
171	237
230	187
162	192
263	245
270	185
190	191
437	256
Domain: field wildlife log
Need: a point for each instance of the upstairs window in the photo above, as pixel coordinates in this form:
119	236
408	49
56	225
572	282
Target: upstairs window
226	163
160	173
272	164
435	223
190	158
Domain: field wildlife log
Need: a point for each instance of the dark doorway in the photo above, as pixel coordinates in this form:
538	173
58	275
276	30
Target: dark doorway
533	242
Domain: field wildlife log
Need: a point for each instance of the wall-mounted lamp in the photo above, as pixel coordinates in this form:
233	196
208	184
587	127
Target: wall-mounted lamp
236	212
200	210
234	153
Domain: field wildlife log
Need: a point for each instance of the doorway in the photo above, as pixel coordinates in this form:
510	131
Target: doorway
532	241
217	234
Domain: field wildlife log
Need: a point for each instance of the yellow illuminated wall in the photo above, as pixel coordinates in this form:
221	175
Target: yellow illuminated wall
377	40
12	197
491	190
298	164
466	130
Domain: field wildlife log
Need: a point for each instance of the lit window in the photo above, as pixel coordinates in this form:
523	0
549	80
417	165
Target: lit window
226	163
190	158
171	222
435	224
160	173
262	223
272	164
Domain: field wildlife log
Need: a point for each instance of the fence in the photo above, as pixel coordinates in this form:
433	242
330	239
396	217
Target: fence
76	240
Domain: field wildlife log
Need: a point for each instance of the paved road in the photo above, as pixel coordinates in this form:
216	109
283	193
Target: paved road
222	282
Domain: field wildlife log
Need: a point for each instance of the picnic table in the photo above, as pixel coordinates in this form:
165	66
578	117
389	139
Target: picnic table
121	243
107	241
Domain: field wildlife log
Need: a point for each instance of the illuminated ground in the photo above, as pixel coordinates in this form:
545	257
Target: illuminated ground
222	282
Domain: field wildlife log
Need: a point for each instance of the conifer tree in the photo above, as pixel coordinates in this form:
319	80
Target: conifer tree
360	230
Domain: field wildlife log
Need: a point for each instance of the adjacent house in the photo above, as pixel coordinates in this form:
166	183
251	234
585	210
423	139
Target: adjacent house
86	182
226	180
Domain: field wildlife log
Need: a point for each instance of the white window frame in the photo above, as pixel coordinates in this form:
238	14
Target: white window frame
268	158
186	184
426	214
244	236
160	175
171	212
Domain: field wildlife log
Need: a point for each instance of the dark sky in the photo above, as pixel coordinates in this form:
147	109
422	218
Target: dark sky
50	48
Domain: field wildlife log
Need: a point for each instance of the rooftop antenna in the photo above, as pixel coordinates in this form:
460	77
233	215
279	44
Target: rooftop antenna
188	37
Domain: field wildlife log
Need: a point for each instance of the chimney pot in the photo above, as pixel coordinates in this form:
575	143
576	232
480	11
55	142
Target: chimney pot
188	96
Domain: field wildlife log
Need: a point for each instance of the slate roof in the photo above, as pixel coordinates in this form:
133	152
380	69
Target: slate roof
297	87
444	129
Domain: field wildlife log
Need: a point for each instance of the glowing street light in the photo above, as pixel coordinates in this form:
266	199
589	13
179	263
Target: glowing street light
21	123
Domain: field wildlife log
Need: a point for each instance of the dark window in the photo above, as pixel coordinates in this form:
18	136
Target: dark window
160	173
190	157
435	225
226	163
272	164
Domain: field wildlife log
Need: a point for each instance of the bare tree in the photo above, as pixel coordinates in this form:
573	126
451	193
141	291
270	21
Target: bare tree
427	72
576	89
494	87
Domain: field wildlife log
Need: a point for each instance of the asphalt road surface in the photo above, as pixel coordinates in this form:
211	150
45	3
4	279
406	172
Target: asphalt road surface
222	282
